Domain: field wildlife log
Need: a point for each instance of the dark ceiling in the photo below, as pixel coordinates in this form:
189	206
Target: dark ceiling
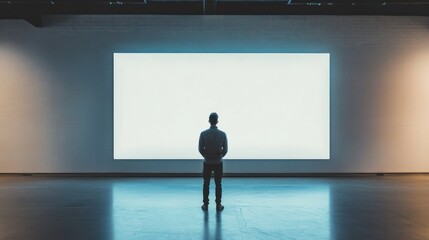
33	10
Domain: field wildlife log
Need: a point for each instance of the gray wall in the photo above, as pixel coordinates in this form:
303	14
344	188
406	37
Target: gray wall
56	90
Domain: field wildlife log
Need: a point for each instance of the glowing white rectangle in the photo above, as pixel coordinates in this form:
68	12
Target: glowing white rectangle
272	106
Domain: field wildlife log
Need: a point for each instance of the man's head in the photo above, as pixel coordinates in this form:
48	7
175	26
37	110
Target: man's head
213	118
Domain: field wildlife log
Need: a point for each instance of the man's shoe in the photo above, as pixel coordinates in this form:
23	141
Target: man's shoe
205	207
219	207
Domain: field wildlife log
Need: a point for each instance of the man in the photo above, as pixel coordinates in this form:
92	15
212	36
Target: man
213	145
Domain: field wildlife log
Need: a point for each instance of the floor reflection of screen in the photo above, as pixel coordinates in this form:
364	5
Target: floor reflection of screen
169	209
272	106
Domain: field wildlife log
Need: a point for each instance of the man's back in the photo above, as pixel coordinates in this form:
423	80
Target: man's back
213	145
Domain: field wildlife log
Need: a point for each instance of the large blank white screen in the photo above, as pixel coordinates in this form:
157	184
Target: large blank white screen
272	106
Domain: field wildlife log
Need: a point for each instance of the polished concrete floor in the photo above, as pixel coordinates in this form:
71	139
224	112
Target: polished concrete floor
385	207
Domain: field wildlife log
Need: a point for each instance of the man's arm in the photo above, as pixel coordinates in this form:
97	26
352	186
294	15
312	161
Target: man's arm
201	146
225	146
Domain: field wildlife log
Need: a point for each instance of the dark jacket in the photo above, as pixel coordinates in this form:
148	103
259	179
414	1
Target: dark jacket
213	145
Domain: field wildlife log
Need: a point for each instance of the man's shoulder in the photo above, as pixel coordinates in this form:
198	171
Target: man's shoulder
205	131
222	132
212	130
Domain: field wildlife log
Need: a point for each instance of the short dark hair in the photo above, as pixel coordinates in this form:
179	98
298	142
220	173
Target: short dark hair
213	118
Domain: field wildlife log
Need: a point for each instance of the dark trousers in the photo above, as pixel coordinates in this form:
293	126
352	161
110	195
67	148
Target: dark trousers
207	173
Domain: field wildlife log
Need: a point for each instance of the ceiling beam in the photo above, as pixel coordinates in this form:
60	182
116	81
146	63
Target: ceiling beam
35	20
33	10
209	7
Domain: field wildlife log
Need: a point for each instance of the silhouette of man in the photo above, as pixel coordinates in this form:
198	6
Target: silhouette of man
213	146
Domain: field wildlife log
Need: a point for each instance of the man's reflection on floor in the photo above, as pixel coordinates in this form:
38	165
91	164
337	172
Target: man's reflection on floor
218	226
206	235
